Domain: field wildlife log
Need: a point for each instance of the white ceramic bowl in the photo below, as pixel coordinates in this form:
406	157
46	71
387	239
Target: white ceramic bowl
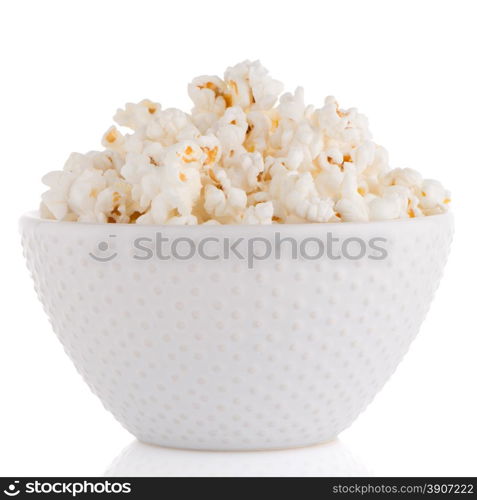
212	354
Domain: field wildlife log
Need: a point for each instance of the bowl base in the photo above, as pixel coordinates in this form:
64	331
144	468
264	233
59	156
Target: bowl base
251	448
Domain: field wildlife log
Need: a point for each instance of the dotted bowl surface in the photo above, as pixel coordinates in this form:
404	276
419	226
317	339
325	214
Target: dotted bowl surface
212	354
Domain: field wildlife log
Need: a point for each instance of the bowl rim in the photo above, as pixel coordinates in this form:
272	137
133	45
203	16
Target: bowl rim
34	216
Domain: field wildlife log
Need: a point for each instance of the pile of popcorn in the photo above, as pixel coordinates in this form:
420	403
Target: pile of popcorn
243	155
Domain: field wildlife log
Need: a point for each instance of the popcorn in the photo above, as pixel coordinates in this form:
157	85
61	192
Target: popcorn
84	191
207	94
113	139
261	213
244	155
433	198
137	116
228	204
250	85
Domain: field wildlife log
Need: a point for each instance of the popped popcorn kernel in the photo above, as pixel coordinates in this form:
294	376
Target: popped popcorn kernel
246	153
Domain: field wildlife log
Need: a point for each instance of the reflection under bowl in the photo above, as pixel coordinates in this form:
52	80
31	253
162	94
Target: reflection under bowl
331	459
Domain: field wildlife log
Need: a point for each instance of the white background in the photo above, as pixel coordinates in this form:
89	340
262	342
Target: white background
410	66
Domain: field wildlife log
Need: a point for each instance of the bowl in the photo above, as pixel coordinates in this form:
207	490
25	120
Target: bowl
236	337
